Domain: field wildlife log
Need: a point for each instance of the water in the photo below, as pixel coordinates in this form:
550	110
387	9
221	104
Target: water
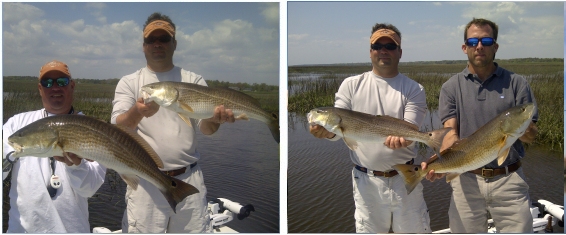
240	162
320	183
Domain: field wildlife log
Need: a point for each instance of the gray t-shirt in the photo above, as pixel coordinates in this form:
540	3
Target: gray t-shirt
474	103
172	139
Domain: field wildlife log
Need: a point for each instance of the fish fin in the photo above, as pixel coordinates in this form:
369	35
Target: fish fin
186	119
352	144
411	174
131	180
274	129
435	139
177	191
143	144
503	153
451	176
242	116
433	158
66	155
186	107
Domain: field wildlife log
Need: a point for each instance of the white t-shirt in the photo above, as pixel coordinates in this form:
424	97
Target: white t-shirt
172	139
398	97
32	210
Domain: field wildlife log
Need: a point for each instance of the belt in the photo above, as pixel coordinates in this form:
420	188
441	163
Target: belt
383	173
378	173
490	173
179	171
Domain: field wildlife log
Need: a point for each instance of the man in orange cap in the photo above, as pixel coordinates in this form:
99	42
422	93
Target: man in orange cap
380	196
49	195
173	140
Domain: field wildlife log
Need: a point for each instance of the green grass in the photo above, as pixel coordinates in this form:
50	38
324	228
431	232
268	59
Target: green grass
545	78
93	99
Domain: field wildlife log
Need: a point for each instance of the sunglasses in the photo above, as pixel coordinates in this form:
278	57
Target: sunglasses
388	46
472	42
162	39
61	82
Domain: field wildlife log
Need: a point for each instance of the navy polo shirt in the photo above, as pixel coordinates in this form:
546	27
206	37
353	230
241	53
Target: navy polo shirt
474	103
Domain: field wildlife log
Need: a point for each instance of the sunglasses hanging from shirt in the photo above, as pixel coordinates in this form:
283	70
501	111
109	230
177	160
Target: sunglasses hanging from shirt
54	181
7	164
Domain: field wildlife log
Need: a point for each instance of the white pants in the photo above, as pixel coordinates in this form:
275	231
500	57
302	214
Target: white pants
148	212
506	198
382	203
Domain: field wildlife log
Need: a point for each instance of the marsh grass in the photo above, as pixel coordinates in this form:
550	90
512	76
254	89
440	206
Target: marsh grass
315	86
92	99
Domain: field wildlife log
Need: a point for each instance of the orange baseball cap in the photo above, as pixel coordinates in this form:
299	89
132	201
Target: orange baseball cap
54	65
159	24
385	33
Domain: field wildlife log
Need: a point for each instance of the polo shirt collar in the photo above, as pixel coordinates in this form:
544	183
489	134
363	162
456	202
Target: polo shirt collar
497	73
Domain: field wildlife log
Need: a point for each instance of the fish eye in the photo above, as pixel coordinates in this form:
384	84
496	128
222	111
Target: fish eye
416	169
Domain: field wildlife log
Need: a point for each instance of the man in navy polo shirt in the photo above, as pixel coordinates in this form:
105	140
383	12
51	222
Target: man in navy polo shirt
467	101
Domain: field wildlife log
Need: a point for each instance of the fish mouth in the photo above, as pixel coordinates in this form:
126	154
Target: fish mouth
17	148
310	118
146	95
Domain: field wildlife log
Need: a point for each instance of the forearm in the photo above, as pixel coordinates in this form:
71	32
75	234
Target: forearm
449	139
129	119
452	135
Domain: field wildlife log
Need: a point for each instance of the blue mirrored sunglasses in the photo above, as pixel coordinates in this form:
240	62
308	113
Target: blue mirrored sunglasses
388	46
487	41
61	82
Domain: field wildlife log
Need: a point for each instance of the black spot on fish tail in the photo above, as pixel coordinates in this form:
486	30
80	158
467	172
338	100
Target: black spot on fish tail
174	184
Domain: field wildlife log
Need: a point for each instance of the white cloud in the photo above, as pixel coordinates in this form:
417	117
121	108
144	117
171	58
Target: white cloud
230	50
96	9
231	45
495	11
96	5
16	12
297	37
271	12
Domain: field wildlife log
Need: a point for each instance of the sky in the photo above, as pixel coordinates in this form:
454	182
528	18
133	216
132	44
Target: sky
234	42
339	32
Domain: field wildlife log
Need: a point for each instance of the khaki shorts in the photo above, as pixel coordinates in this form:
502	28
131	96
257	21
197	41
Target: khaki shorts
148	212
505	197
383	204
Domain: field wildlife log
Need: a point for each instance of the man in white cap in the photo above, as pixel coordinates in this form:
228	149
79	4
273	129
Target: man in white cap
49	195
173	140
381	200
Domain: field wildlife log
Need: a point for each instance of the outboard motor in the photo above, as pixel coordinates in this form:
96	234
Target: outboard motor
222	211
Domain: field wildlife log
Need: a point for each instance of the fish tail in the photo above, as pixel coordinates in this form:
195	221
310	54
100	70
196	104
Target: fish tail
274	127
436	137
411	174
177	192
